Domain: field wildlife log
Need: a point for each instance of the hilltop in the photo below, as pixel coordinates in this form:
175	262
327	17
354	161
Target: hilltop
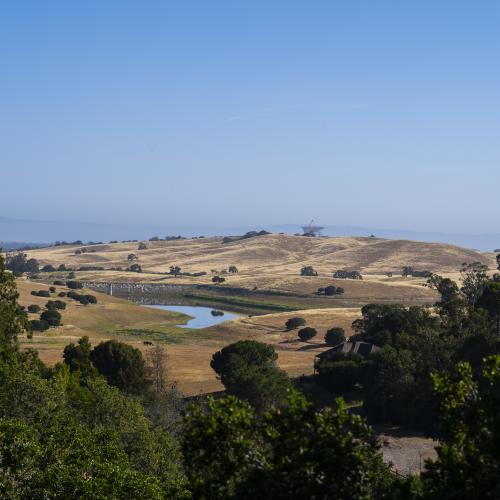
270	255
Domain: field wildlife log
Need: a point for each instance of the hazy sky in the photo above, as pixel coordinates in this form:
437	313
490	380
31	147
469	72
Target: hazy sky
384	114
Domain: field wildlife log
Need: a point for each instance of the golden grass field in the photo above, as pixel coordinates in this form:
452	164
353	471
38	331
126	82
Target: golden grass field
265	262
270	256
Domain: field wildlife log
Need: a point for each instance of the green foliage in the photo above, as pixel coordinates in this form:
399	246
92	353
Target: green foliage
12	321
135	268
341	372
82	298
293	323
55	304
248	370
77	357
295	452
49	268
468	463
175	270
308	271
19	264
490	301
335	336
391	324
40	293
333	290
218	279
51	316
232	269
39	325
74	285
33	308
474	279
307	333
122	365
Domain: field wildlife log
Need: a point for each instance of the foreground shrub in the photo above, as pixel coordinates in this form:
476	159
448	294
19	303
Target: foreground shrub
296	452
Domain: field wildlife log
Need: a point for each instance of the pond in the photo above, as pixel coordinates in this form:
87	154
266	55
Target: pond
202	316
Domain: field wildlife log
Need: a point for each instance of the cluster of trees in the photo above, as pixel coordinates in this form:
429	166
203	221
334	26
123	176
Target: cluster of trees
19	263
330	290
82	298
415	342
409	271
167	238
249	234
351	275
94	426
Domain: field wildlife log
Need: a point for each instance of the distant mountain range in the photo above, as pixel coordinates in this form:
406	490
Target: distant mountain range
19	232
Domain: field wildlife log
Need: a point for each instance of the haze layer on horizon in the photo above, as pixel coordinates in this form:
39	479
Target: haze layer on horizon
255	113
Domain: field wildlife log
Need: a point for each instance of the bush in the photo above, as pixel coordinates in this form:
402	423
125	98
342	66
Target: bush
61	294
41	293
308	271
83	299
74	285
135	268
33	308
293	323
62	267
71	275
232	269
142	246
52	317
335	336
218	279
38	325
59	283
307	333
52	289
333	290
55	304
48	269
339	376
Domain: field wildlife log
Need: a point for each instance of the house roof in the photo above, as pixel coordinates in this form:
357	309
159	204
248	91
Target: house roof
363	348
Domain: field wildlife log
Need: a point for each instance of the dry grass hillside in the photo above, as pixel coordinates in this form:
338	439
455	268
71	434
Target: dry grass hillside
189	351
271	255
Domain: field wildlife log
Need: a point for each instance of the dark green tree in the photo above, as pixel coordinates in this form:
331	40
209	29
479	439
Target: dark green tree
307	333
293	323
249	371
308	271
335	336
490	301
51	316
468	463
77	357
122	365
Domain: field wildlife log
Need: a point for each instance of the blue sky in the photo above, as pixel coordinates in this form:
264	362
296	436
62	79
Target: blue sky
383	114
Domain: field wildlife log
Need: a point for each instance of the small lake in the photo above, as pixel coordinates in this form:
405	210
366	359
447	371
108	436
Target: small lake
202	316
